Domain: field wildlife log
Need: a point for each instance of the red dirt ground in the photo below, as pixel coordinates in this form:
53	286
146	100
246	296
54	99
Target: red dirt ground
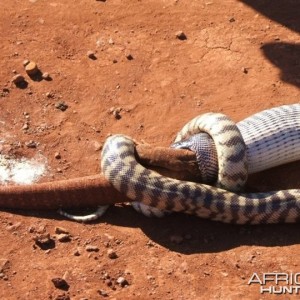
239	57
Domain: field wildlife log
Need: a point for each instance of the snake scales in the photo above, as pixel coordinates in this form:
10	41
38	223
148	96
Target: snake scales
269	138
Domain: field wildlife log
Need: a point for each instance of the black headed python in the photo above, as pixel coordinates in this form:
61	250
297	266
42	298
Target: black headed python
262	141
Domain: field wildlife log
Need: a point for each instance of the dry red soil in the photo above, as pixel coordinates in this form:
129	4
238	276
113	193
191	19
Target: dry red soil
240	57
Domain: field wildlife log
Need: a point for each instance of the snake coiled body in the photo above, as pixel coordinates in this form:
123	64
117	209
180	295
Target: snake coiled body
120	167
272	138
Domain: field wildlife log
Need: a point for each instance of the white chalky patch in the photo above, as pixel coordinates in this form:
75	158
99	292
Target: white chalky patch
22	170
19	170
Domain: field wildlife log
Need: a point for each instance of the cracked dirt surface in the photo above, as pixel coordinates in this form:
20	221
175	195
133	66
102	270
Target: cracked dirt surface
239	57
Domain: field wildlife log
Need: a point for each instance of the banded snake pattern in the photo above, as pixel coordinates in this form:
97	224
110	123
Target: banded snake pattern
267	139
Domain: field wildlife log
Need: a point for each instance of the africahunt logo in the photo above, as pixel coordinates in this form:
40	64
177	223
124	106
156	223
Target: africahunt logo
277	283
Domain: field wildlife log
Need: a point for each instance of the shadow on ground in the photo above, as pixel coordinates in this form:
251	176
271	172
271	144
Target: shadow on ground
284	55
205	236
198	235
285	12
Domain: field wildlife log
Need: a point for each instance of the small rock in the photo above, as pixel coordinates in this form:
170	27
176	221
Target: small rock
44	241
111	41
150	244
49	95
26	62
76	252
4	264
46	76
63	237
59	230
13	227
60	283
91	248
31	144
115	61
58	156
181	35
108	282
245	70
103	293
116	112
4	92
91	54
31	68
25	126
98	146
61	106
62	297
129	56
122	281
101	0
111	254
18	78
232	20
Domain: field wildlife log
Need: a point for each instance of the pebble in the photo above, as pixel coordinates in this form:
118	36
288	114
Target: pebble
31	144
111	254
31	68
108	282
76	252
4	263
26	62
46	76
122	281
62	297
245	70
59	230
64	237
129	56
25	126
60	283
49	95
91	54
57	156
43	241
18	78
61	106
111	41
98	146
116	112
117	115
103	293
4	92
12	227
181	35
91	248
